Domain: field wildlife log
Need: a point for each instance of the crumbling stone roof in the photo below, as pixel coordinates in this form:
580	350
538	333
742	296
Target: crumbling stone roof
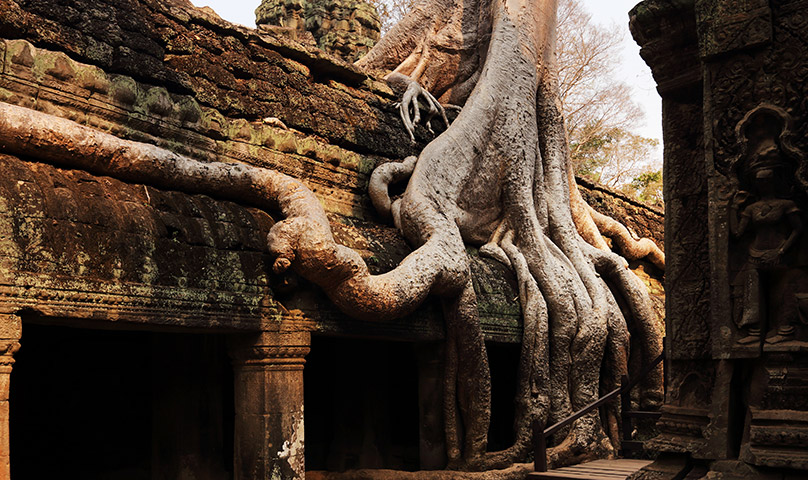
237	71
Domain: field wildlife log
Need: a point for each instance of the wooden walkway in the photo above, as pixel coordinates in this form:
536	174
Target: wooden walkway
619	469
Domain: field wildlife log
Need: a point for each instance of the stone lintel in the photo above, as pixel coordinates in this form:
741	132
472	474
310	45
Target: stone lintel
286	350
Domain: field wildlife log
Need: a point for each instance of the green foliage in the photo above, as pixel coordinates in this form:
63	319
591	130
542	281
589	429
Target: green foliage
613	156
586	153
647	187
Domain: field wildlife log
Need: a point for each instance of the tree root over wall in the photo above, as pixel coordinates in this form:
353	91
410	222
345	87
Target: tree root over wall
499	178
515	472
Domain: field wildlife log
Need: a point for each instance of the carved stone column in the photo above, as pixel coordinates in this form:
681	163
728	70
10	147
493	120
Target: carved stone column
268	372
10	333
667	34
736	197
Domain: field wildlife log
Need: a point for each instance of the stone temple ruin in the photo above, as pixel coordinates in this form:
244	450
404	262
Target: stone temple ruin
144	333
347	29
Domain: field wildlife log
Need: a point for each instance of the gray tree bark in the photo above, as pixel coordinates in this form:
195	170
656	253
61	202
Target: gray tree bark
499	177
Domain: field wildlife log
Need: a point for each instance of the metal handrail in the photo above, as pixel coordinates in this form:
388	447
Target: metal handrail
540	433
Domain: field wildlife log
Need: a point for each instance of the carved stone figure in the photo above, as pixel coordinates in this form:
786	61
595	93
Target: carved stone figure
732	75
767	223
776	224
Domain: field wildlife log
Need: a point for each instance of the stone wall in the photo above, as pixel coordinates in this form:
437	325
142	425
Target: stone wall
643	221
239	72
736	194
237	95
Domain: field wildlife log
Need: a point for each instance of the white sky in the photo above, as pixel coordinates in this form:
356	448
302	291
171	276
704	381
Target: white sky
634	72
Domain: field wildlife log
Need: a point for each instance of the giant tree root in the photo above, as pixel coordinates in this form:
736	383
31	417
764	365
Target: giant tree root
439	44
302	239
514	472
499	177
628	246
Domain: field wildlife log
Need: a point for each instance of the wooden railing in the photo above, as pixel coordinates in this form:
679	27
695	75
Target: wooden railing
540	433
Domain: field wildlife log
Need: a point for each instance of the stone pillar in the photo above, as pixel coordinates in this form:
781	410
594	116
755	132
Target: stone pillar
10	332
736	137
268	370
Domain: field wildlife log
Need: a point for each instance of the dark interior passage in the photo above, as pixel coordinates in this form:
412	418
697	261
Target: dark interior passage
120	405
503	360
366	408
361	400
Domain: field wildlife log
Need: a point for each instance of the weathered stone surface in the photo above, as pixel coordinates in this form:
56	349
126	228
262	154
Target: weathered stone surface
727	27
80	246
755	112
665	468
237	71
284	13
269	425
643	221
734	135
345	28
85	247
126	107
10	334
662	27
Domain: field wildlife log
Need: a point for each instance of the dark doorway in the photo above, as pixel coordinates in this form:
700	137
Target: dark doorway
503	360
361	399
120	405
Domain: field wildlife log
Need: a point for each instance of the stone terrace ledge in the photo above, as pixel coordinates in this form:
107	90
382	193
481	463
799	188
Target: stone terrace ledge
87	248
